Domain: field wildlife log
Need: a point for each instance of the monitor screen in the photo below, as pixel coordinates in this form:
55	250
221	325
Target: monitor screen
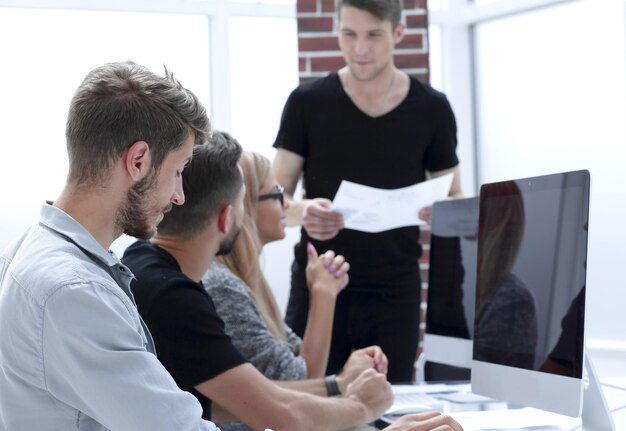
451	290
530	291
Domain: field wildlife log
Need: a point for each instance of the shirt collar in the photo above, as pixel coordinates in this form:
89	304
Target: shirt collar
59	221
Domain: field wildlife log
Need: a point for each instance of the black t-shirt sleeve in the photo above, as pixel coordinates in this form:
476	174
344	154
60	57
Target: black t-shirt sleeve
441	152
189	335
292	134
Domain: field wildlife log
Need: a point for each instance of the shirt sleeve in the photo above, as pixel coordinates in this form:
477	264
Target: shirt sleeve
189	334
95	360
292	133
249	333
441	152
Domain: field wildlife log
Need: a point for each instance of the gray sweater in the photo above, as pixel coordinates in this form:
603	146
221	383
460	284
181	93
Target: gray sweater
243	323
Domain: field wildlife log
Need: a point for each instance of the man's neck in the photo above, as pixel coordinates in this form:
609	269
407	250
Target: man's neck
94	208
194	256
378	86
379	95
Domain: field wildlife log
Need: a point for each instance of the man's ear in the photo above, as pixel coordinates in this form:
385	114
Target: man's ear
398	33
223	219
138	160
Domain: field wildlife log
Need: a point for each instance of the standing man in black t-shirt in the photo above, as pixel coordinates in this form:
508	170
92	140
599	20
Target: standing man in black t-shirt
371	124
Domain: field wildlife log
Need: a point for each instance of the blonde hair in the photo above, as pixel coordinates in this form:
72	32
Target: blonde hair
243	260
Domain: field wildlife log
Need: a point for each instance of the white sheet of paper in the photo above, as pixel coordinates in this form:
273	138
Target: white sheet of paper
369	209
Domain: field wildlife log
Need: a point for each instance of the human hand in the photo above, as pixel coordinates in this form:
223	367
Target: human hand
319	221
326	273
426	214
426	421
373	391
360	360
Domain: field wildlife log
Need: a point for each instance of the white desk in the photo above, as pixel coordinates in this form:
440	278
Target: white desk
496	415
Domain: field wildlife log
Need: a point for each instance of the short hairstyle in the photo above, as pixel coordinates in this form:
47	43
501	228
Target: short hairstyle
119	104
382	9
212	181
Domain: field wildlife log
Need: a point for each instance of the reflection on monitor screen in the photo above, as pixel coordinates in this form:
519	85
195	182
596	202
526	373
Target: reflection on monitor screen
530	291
451	290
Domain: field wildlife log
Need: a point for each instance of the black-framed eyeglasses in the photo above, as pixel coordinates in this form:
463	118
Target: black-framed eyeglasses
279	195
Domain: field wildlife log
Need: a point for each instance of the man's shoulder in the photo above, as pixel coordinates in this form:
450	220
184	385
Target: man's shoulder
426	91
318	86
148	261
42	261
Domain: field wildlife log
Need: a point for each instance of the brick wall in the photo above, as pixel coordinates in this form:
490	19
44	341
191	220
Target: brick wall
318	51
318	54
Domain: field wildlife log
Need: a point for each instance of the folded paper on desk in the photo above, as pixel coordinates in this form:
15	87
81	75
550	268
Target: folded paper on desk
524	419
418	398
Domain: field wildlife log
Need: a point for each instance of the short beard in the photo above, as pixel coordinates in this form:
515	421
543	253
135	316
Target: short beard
229	242
133	217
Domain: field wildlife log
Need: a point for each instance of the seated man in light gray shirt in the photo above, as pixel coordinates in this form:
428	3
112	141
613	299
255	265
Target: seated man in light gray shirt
74	353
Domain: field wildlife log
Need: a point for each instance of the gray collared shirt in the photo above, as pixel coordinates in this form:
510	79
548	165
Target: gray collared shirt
74	353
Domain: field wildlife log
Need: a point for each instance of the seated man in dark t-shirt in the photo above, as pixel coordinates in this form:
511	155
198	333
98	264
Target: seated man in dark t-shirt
189	335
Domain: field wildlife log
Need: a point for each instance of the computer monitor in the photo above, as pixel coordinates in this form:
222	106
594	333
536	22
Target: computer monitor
530	292
451	290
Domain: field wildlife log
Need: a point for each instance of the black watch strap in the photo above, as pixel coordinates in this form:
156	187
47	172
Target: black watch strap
331	385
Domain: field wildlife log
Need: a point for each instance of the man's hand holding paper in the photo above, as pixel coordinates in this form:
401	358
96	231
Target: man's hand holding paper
320	221
369	209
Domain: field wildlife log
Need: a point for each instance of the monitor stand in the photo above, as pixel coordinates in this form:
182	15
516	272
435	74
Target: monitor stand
596	415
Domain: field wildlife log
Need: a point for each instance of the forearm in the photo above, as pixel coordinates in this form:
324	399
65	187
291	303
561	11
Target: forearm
316	341
329	413
261	403
295	211
311	386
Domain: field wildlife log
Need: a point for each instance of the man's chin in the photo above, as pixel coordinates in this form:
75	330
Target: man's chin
143	234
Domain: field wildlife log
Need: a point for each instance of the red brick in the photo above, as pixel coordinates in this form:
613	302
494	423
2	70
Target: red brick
301	64
308	44
328	5
421	4
409	4
424	295
419	352
412	41
326	64
417	21
304	79
306	6
424	235
424	274
312	24
422	77
425	258
411	61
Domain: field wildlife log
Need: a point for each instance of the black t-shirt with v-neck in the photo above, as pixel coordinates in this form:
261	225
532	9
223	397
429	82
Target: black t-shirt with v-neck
188	333
339	141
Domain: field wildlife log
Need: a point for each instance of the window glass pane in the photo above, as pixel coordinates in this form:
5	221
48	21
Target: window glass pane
434	54
550	97
287	2
45	56
263	71
485	2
